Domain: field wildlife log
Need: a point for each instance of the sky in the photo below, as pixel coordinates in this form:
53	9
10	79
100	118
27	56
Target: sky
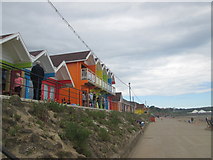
162	48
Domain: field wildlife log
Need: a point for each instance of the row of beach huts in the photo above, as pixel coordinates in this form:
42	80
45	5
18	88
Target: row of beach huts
67	76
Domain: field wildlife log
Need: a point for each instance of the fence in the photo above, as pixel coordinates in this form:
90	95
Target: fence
50	89
87	74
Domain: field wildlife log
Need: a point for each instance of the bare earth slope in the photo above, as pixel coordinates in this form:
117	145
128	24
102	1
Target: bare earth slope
173	138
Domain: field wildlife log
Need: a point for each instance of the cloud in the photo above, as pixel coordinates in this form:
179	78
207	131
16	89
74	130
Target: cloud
169	76
161	48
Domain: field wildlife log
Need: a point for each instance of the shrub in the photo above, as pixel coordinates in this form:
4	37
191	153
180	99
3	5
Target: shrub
63	154
15	100
97	115
114	118
103	134
131	129
40	111
87	121
78	135
17	117
40	123
55	107
130	118
13	130
118	132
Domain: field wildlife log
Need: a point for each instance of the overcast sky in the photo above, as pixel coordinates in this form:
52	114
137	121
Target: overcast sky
163	49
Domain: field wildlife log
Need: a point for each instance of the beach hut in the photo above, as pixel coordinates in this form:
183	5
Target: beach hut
15	57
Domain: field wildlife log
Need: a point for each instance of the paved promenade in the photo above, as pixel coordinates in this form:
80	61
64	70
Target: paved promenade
172	138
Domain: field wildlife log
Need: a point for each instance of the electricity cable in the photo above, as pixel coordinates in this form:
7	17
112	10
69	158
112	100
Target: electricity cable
79	37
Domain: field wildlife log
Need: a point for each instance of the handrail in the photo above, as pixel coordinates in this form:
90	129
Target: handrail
29	72
87	74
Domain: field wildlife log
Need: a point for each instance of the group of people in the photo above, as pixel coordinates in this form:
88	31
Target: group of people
36	76
93	100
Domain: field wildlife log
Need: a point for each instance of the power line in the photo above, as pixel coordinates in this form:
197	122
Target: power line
137	97
121	80
79	37
68	24
86	45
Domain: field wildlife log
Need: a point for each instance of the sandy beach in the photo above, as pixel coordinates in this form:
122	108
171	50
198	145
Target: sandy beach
175	138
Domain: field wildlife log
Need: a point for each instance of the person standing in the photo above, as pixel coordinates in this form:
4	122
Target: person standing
102	103
37	76
84	99
90	99
18	82
94	100
192	119
3	82
98	101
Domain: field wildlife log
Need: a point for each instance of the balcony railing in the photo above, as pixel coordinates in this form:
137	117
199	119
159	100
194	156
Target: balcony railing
87	74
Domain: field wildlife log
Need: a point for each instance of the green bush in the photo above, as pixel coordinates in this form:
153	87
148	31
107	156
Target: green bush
130	118
131	129
119	132
40	111
17	117
55	107
115	118
78	135
39	122
15	100
63	154
13	130
97	115
103	134
87	121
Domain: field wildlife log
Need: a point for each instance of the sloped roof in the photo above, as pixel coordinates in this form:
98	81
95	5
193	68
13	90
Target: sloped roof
117	96
45	60
126	101
68	57
140	106
35	53
18	55
4	36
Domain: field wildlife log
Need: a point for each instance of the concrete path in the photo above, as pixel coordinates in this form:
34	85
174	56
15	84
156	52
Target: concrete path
170	138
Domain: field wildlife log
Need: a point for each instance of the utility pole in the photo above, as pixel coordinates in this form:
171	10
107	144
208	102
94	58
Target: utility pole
130	97
129	93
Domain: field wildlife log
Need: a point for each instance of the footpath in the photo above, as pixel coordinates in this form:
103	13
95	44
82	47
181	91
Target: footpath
172	138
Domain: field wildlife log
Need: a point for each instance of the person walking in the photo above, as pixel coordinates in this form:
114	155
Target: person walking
37	76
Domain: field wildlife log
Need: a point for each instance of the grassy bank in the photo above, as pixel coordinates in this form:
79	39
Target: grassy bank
54	130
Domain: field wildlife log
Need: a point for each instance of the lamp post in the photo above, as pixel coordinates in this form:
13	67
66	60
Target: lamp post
129	93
